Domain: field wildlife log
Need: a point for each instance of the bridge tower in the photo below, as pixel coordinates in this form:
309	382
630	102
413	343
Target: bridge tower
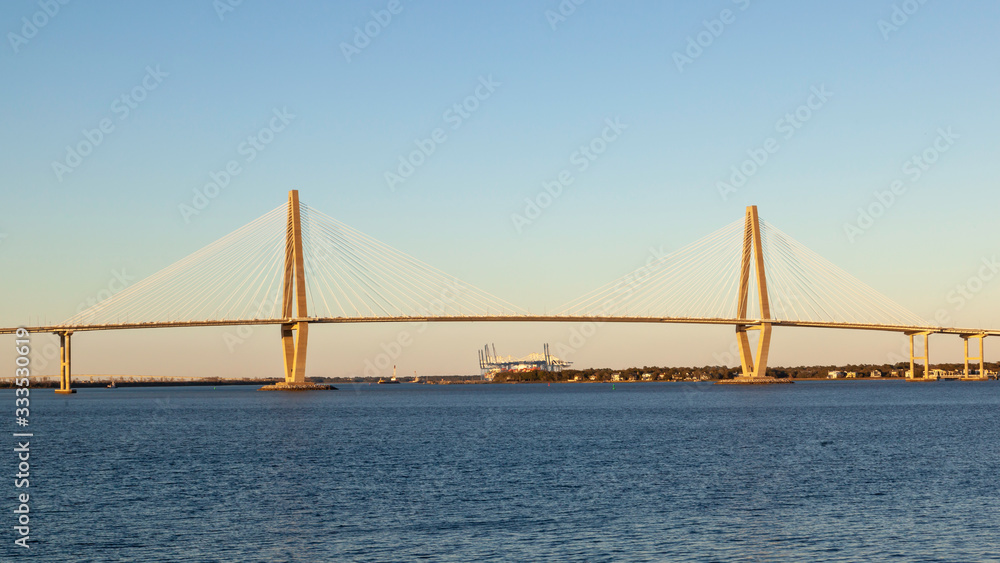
754	366
295	329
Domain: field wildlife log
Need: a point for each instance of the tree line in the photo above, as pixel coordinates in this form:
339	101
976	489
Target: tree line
711	373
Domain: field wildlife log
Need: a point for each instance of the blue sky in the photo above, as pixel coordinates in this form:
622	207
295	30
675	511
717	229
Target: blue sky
219	79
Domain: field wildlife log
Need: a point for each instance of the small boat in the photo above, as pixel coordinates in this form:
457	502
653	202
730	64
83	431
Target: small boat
112	384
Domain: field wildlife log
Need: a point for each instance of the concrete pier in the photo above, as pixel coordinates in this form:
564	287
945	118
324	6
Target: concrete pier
759	380
283	386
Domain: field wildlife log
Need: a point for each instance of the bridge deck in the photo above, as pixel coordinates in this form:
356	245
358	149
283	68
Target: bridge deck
508	318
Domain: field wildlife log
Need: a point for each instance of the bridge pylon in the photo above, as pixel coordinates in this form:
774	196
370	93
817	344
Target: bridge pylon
927	354
753	365
65	366
295	329
981	357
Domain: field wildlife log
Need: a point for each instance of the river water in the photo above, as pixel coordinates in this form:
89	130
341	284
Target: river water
819	471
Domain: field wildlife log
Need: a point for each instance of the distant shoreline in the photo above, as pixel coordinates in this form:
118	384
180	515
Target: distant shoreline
45	384
456	381
590	375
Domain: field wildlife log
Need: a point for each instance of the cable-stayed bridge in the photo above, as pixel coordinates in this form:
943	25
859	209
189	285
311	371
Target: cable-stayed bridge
295	266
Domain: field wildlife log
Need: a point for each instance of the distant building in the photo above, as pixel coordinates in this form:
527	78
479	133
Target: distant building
616	376
875	373
647	377
491	364
835	375
852	374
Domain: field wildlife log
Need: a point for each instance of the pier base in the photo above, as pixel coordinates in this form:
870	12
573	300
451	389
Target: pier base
65	391
283	386
759	380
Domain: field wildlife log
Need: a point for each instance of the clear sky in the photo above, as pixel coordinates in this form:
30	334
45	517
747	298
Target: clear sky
895	80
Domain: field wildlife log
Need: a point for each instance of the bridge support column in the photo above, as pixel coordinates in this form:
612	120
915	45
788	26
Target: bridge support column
65	365
295	332
925	357
294	341
754	366
981	357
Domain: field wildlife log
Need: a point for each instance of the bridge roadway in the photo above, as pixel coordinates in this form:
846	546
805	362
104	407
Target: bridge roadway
510	318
